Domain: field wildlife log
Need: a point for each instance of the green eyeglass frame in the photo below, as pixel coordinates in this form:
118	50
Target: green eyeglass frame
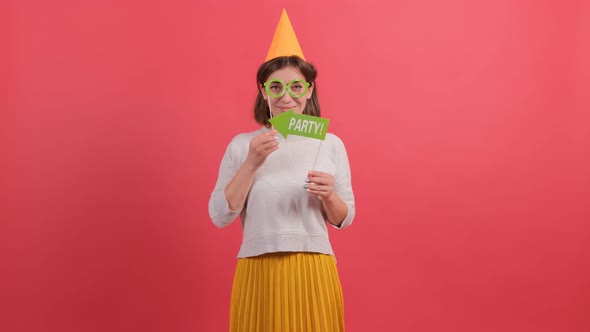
286	88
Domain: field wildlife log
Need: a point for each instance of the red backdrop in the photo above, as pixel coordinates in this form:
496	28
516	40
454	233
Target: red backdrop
466	124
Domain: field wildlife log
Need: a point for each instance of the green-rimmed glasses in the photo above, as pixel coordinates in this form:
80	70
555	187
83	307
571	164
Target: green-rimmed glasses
276	88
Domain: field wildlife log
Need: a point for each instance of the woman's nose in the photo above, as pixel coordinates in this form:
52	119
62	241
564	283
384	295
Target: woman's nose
286	97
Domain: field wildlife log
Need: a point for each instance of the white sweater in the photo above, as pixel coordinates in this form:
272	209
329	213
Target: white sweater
279	214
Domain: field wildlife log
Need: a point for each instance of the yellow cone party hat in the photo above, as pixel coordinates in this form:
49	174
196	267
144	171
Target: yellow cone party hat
284	42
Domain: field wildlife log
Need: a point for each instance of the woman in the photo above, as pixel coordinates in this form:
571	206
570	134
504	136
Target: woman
285	191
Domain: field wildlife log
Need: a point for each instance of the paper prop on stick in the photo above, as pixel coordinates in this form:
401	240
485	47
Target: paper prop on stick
289	123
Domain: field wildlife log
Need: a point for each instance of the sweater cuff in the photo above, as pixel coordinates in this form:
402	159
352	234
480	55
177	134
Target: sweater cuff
349	217
220	212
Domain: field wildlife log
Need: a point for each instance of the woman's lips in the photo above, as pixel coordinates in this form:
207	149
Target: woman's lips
284	109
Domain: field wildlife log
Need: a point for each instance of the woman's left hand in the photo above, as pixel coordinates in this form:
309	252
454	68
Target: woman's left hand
320	184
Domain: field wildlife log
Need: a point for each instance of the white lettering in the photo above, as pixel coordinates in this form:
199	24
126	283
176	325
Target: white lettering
304	125
298	125
317	125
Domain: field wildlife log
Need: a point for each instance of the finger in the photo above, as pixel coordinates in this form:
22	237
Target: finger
265	140
320	194
271	134
265	137
270	145
321	180
318	187
271	138
318	173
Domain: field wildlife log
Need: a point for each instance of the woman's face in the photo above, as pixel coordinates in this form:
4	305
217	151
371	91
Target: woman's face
291	84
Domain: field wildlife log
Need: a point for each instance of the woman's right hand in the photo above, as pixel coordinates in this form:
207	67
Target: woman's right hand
261	146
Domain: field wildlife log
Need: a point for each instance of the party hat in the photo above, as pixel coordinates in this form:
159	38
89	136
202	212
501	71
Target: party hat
284	42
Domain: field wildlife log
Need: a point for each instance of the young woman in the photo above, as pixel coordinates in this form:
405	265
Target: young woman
286	192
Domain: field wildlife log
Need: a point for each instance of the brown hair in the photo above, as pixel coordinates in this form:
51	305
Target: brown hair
312	107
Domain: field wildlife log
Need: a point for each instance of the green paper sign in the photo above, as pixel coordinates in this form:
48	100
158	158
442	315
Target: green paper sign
289	123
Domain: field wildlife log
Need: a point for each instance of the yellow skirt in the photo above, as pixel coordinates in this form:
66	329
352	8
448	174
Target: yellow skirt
295	292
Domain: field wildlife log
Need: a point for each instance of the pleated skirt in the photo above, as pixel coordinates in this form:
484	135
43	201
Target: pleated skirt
287	292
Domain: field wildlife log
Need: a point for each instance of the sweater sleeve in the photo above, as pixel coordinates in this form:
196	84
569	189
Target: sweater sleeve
219	210
343	182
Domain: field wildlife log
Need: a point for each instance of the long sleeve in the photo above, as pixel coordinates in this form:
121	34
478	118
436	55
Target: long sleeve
343	183
219	210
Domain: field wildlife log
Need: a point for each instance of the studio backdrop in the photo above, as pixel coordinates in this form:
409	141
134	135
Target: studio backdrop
466	124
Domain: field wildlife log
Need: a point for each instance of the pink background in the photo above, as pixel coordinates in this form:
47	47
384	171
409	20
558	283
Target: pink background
466	122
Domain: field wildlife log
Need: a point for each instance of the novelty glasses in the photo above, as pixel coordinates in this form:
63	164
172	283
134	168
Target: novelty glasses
276	88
